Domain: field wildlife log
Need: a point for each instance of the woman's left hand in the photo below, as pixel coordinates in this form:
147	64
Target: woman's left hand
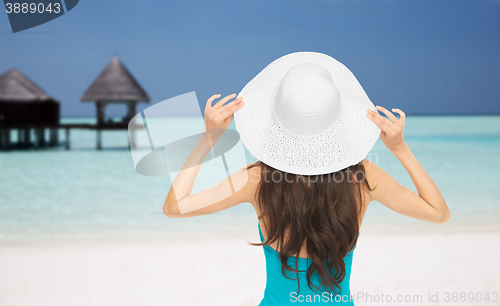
391	130
219	116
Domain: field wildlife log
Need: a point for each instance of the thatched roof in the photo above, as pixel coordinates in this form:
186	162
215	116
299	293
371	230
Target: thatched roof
115	83
16	87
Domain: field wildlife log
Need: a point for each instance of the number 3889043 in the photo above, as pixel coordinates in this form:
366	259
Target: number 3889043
32	8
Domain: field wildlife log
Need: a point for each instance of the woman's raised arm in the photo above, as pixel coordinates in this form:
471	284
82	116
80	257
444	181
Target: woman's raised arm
429	205
236	189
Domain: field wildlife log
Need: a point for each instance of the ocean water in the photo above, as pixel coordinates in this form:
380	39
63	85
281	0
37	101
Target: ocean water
54	193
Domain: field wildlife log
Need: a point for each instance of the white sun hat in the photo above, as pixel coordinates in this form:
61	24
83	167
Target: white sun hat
305	113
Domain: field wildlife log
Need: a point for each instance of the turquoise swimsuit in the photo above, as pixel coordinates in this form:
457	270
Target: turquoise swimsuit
282	291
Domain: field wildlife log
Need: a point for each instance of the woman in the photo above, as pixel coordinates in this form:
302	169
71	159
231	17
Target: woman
311	125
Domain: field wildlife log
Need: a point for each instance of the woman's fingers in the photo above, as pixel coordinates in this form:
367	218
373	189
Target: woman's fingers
402	115
388	113
229	109
230	104
383	123
209	101
223	100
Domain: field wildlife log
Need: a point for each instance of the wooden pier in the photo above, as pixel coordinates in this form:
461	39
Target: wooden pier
39	133
27	109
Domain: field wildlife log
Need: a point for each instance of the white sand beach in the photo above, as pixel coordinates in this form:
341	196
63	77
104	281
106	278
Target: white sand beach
229	272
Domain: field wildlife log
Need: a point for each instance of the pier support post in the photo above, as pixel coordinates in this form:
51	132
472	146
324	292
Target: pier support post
99	140
54	137
7	138
41	132
3	139
67	139
26	137
37	138
19	137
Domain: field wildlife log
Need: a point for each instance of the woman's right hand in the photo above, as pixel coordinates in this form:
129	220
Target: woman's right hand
219	117
391	130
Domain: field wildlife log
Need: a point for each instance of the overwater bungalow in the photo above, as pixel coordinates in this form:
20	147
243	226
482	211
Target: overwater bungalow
115	85
25	107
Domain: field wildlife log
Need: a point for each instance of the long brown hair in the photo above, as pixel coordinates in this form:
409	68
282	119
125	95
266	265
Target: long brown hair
320	212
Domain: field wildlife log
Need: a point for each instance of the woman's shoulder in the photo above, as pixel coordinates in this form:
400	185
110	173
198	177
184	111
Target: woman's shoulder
368	165
254	168
378	180
245	180
372	171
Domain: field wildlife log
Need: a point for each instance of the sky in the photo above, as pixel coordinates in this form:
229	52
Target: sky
424	57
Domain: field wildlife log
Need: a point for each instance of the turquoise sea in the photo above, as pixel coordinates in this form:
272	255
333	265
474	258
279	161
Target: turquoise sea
54	193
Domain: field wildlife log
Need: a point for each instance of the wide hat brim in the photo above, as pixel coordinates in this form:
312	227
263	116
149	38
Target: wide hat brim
347	142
